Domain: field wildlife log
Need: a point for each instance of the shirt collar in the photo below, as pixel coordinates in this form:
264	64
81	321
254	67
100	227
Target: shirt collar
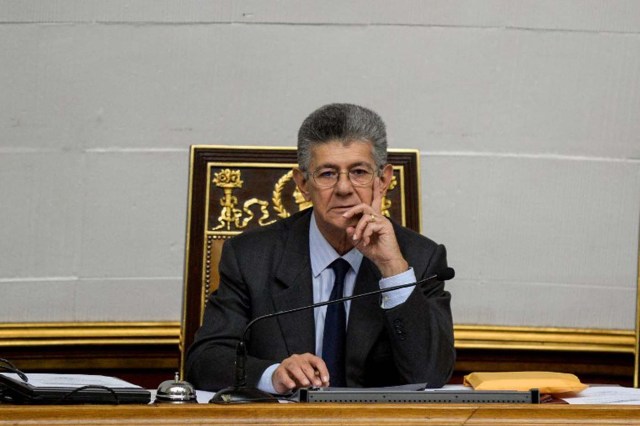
324	254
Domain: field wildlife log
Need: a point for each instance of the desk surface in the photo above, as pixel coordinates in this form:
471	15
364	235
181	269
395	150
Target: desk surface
324	414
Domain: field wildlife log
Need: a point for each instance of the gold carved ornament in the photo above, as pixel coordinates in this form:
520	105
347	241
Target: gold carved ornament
229	180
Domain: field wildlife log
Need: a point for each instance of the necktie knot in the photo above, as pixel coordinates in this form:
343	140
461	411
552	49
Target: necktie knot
340	268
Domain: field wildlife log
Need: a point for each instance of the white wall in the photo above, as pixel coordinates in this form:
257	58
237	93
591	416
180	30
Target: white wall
525	113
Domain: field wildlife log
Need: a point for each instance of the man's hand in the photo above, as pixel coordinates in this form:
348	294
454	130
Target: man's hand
374	237
299	371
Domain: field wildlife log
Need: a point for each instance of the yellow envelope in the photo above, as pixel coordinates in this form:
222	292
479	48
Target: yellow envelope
545	381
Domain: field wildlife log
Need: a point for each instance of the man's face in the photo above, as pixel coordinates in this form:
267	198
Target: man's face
329	204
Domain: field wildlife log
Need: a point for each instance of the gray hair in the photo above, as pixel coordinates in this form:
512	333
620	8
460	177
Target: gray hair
346	123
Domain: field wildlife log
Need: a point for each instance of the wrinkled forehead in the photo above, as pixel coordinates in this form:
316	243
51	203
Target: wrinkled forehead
342	154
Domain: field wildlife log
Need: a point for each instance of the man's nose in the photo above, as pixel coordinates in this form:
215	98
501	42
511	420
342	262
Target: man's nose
344	183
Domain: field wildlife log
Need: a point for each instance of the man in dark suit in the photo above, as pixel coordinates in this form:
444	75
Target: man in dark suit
405	336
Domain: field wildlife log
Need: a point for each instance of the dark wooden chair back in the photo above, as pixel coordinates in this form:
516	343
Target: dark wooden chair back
233	189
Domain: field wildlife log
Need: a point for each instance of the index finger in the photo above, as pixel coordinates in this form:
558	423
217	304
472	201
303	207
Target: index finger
376	202
318	364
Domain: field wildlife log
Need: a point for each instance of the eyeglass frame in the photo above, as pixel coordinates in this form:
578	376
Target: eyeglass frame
374	172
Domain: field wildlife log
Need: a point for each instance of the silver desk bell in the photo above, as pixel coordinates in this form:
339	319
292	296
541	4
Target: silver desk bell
176	392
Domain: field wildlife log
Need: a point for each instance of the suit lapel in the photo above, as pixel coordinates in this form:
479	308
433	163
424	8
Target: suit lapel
293	288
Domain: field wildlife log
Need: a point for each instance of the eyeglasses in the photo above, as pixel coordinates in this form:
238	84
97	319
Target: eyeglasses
326	177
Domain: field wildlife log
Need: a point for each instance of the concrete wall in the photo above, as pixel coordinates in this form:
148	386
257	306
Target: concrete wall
525	114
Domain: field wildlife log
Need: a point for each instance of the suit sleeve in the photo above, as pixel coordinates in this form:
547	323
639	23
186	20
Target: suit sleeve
210	360
421	330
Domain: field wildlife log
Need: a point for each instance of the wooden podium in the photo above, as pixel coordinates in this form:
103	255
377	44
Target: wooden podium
323	414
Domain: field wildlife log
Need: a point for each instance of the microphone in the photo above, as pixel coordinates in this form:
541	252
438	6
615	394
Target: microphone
240	393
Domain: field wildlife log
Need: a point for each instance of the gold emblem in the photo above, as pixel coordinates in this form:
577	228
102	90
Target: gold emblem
278	205
229	180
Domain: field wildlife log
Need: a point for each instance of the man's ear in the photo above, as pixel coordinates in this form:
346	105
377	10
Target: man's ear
385	178
301	182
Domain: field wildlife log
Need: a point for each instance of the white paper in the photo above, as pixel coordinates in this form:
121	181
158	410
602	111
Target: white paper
204	397
605	395
452	388
409	387
71	380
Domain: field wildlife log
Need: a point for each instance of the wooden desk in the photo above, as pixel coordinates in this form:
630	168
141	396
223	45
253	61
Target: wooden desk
324	414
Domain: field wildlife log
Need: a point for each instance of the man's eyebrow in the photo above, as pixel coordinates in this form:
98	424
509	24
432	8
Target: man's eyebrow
327	166
335	166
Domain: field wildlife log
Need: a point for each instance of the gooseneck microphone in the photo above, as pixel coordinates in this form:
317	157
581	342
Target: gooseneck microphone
240	393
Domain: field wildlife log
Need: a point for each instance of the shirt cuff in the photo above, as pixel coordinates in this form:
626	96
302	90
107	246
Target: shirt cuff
265	383
394	298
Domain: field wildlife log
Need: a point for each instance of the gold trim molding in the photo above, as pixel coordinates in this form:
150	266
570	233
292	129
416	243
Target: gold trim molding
540	338
467	336
89	333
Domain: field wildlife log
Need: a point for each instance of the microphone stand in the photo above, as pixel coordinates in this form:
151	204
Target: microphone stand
240	393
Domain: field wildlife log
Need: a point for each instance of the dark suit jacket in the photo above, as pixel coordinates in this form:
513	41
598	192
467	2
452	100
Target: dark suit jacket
269	270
